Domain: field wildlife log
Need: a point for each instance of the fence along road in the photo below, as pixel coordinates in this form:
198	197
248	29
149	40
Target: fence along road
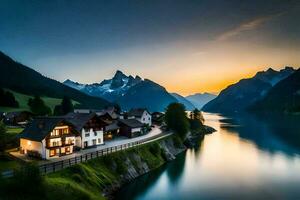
59	165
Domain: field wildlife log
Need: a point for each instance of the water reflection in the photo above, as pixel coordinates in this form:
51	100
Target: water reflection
247	158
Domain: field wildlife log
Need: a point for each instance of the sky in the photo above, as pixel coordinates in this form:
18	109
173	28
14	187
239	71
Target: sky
186	46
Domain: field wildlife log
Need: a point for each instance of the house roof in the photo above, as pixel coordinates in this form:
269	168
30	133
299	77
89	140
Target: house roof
79	119
40	127
138	112
112	126
110	111
132	123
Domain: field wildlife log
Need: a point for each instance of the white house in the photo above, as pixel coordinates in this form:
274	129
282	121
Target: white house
140	114
90	127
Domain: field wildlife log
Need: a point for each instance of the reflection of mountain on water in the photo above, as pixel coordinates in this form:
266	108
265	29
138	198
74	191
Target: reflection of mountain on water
271	133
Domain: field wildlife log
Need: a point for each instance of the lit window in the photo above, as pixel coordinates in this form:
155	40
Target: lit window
52	152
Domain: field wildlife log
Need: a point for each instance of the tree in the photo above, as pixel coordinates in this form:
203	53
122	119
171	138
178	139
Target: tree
38	107
196	119
197	115
177	120
117	108
7	99
65	107
3	137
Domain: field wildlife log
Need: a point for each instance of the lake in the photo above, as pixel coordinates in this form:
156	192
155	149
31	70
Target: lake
249	157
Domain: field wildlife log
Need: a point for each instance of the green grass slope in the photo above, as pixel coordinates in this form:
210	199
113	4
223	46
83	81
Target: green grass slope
23	100
22	79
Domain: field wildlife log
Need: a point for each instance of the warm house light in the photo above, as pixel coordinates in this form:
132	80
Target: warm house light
29	143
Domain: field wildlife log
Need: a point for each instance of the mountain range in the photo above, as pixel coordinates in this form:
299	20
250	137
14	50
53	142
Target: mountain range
187	104
200	99
22	79
128	91
283	97
239	96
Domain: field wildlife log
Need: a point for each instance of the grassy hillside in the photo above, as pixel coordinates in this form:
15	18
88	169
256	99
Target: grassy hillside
86	180
22	79
23	99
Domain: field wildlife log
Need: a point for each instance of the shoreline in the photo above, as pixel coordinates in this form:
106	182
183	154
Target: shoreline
172	153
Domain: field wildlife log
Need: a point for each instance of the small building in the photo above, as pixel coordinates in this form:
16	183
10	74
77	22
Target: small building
111	130
90	127
131	127
48	137
140	114
17	118
157	118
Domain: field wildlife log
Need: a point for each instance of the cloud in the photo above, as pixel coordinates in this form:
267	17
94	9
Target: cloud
247	26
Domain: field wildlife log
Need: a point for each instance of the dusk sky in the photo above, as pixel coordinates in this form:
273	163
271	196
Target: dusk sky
186	46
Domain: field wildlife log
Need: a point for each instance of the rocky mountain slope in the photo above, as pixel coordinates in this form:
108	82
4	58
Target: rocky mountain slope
187	104
128	91
239	96
283	97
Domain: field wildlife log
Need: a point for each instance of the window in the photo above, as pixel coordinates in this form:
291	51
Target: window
55	132
87	135
94	142
55	143
52	152
65	131
69	141
95	133
68	150
99	141
62	150
85	144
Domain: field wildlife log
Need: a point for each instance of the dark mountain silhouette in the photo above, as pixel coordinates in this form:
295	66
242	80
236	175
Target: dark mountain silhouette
239	96
283	97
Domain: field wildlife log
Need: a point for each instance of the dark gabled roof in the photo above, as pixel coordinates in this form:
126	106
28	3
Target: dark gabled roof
40	127
110	111
132	123
138	112
79	119
111	127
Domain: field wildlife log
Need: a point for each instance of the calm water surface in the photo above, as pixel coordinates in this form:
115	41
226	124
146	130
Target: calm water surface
247	158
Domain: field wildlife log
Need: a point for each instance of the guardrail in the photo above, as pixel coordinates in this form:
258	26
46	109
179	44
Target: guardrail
59	165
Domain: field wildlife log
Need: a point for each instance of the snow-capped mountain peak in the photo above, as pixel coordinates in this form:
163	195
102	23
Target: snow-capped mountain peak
110	89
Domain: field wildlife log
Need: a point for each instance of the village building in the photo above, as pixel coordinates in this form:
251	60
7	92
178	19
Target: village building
131	127
111	130
48	137
17	118
90	127
157	118
140	114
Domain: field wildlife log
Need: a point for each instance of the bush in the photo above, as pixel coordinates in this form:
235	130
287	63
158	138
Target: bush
155	149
